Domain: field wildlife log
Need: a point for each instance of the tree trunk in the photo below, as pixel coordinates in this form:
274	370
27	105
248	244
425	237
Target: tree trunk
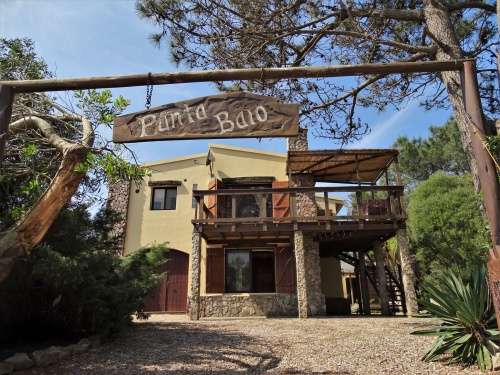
441	29
19	240
407	272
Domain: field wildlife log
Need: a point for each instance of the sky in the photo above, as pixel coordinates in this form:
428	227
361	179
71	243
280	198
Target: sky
89	38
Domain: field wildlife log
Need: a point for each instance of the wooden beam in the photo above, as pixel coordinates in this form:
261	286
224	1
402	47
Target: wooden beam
6	100
230	75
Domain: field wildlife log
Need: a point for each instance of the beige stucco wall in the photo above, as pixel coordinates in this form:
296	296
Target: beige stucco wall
145	226
331	278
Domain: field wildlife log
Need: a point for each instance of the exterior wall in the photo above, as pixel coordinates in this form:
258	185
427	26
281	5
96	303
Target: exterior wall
331	278
230	305
144	226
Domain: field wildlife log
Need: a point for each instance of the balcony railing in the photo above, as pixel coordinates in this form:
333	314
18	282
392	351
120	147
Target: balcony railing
226	205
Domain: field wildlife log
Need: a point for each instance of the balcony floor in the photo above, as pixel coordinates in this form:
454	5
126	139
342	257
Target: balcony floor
344	234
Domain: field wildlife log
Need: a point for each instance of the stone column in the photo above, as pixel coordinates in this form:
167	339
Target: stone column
194	303
118	198
309	297
363	281
381	278
300	264
408	273
298	143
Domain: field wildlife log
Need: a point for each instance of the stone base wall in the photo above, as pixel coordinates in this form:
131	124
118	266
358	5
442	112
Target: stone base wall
230	305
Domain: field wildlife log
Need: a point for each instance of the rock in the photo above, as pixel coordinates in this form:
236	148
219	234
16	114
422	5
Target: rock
70	349
95	341
6	368
495	360
245	311
43	358
21	361
82	346
63	354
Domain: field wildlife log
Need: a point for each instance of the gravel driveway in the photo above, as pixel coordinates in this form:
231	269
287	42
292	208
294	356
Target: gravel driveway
171	344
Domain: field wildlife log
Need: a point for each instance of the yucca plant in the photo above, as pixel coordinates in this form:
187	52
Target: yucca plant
466	326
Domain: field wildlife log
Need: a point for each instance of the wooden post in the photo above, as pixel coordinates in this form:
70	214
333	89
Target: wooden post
486	169
381	278
487	173
6	100
363	281
352	290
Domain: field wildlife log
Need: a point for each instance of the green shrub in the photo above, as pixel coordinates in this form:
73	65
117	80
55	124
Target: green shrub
74	284
466	326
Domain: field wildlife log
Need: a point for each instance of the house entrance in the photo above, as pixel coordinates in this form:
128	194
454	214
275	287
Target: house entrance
171	293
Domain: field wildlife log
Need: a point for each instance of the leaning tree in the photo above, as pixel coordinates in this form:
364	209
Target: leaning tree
54	153
221	34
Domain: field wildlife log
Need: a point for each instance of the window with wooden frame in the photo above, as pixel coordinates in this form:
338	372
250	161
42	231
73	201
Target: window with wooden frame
164	198
250	270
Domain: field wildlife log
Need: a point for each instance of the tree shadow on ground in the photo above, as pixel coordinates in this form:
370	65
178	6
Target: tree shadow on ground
171	348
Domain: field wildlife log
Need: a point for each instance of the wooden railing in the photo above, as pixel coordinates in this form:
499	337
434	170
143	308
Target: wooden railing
368	209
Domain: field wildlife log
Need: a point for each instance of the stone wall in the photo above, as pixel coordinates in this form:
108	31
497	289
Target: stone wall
298	143
228	305
305	202
311	300
118	197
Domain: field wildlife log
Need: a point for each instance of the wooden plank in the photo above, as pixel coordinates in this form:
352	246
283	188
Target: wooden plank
234	115
167	78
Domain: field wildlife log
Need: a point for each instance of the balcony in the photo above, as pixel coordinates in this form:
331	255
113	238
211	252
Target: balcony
220	218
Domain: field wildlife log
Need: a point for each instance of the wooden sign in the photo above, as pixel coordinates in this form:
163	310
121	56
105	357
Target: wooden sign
235	115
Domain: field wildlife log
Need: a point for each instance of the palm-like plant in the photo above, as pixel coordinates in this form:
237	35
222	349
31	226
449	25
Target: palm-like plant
467	327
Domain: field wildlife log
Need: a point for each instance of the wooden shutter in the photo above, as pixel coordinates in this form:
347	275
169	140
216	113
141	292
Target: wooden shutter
281	202
215	204
285	270
215	271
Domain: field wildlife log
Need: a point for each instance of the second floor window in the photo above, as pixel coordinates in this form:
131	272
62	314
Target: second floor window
164	198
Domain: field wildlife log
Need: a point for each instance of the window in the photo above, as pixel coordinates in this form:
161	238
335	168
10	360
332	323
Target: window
258	270
164	198
250	270
249	205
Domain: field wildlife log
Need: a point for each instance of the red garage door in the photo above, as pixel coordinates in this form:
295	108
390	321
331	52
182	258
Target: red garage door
171	294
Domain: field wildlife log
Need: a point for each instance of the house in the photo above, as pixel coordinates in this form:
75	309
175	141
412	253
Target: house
250	234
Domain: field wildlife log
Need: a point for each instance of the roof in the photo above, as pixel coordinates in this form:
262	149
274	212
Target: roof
342	166
214	146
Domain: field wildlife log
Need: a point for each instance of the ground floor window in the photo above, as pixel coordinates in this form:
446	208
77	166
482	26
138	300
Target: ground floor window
250	270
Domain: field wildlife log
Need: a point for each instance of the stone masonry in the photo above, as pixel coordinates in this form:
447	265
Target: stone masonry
311	301
194	299
118	197
227	305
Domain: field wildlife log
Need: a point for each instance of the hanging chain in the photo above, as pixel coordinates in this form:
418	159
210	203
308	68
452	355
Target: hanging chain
149	91
476	131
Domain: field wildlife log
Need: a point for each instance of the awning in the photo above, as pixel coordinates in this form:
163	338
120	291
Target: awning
342	166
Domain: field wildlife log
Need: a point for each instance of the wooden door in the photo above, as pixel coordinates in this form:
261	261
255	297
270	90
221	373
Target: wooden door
281	201
285	270
215	204
177	281
171	293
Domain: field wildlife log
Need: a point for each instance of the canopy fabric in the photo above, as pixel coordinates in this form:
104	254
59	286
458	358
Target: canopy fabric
342	166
